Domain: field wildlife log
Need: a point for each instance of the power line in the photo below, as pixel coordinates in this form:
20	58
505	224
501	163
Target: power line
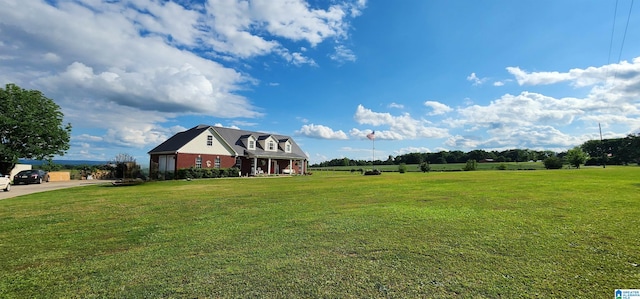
624	36
613	29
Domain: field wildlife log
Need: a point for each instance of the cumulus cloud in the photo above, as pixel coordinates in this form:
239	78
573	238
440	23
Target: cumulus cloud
400	127
237	24
438	108
475	80
321	132
396	105
523	110
380	134
148	62
343	54
411	149
580	77
535	120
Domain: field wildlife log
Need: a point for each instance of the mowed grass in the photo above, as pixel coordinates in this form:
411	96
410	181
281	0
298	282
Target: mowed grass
440	167
491	234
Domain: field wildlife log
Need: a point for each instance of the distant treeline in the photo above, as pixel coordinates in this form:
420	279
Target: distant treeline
618	151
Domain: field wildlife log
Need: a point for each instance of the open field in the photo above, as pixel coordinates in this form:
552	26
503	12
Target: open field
483	234
439	167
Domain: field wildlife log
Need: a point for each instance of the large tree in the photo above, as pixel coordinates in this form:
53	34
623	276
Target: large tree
31	127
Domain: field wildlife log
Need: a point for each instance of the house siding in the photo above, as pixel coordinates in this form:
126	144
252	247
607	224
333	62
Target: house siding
189	160
199	145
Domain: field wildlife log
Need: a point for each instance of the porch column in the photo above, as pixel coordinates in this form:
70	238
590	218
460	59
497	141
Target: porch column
254	168
290	166
269	168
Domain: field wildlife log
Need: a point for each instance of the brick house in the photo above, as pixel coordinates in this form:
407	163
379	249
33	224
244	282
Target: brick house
204	146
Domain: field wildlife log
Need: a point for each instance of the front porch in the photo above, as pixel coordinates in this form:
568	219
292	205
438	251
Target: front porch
261	166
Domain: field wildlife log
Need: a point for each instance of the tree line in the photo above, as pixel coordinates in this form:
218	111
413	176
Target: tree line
618	151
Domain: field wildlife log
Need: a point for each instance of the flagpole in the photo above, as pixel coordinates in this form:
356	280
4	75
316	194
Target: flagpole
372	137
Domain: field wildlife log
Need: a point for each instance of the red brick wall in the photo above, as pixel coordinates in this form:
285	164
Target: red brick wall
189	160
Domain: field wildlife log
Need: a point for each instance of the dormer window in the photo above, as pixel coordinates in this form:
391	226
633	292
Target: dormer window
287	148
252	144
272	145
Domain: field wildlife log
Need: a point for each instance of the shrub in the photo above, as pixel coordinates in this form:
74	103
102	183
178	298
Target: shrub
552	163
402	168
502	166
373	172
425	167
197	173
471	165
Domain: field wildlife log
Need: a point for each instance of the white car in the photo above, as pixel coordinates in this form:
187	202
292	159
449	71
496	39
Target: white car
5	182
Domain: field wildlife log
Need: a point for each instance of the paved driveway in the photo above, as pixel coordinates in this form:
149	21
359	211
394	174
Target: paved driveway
17	190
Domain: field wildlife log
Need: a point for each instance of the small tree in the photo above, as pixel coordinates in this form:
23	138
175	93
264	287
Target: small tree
425	167
552	162
576	156
126	166
402	168
471	165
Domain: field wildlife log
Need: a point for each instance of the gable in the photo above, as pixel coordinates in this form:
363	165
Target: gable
285	145
268	143
208	142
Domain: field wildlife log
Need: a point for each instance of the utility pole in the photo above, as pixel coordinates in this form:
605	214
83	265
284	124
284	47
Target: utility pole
604	156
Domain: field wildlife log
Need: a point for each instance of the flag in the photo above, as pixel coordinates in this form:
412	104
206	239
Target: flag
372	135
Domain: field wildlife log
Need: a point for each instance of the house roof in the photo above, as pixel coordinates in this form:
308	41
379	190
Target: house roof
234	138
178	140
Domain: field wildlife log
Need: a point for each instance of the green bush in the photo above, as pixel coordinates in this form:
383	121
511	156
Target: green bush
402	168
553	163
425	167
197	173
471	165
373	172
502	166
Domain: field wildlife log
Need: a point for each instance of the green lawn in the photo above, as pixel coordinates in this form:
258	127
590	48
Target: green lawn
483	234
440	167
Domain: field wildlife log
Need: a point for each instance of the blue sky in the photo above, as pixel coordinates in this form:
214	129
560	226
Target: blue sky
425	75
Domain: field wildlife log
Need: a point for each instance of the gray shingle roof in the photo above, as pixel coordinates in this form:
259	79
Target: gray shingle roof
234	138
178	140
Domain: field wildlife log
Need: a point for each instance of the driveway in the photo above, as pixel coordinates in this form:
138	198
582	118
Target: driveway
17	190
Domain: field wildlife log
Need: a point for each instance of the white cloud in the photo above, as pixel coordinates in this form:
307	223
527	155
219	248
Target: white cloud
411	149
380	134
580	77
475	80
236	24
343	54
438	108
396	105
321	132
498	83
539	78
525	109
400	127
128	67
534	120
460	142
